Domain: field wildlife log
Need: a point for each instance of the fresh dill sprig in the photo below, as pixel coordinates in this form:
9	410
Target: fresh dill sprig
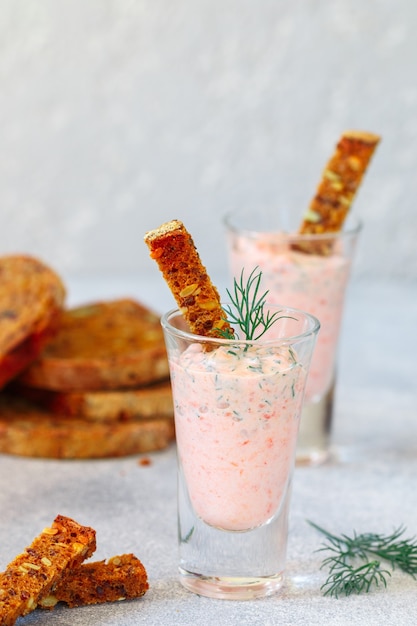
355	563
347	579
247	310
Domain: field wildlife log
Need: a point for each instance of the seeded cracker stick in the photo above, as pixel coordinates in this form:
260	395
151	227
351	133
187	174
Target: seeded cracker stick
340	181
32	574
173	249
119	578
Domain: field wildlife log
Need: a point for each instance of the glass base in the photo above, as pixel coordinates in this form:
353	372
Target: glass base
312	457
230	588
228	564
314	434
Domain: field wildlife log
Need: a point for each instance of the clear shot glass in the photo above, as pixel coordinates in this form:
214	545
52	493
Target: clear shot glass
309	272
237	411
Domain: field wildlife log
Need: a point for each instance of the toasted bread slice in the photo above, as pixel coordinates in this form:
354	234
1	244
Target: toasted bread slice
106	345
172	247
27	430
339	183
119	578
104	406
13	363
31	297
32	574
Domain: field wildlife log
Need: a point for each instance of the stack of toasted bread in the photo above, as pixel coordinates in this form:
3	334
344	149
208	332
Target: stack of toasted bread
84	382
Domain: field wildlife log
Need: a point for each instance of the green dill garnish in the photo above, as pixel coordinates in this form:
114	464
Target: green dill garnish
188	536
355	563
292	355
247	310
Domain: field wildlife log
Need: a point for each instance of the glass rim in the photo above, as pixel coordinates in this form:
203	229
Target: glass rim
351	227
289	339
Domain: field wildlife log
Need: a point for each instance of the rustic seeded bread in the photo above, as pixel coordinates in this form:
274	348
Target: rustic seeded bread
105	345
339	183
103	406
172	247
27	430
31	298
32	574
119	578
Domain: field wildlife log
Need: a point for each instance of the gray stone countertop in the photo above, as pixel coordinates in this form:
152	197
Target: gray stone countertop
368	485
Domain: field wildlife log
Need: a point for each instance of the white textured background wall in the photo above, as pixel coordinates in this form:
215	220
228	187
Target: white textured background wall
117	115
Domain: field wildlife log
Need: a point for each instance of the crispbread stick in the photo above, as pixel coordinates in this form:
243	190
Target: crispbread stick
172	247
32	574
119	578
339	183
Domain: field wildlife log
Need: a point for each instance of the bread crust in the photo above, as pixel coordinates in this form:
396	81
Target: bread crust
26	352
31	297
172	247
339	182
32	574
100	346
119	578
27	430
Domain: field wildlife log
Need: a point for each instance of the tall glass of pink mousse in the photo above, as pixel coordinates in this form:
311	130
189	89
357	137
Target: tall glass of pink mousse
310	272
237	411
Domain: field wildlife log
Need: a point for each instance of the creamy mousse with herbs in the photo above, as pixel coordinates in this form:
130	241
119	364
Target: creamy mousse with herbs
237	417
310	282
237	414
